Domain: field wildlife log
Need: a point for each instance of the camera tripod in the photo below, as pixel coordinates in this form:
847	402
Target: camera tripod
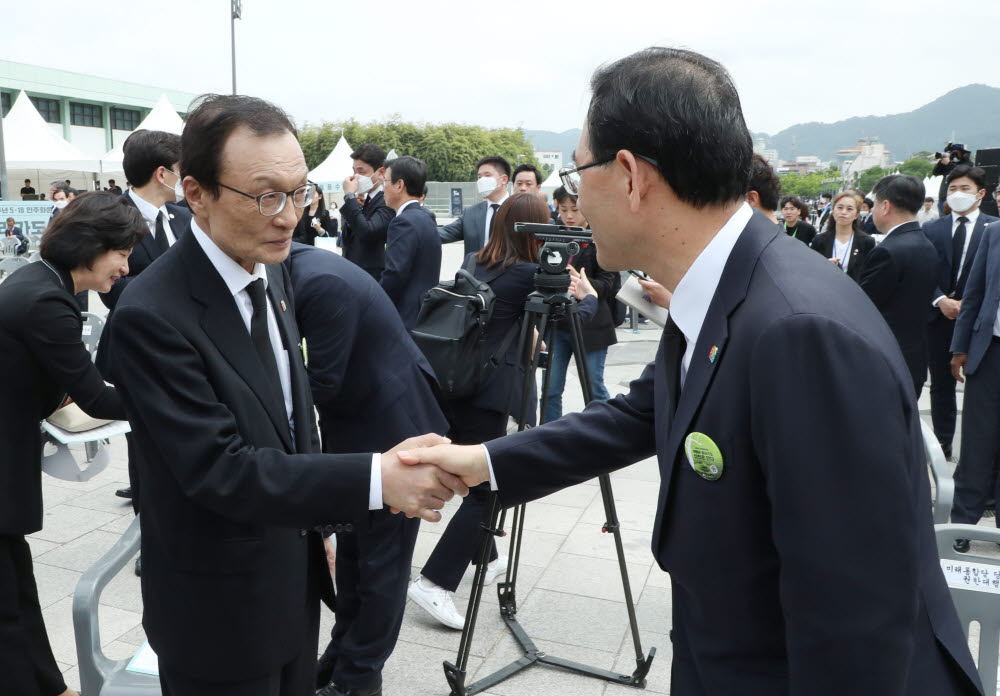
551	293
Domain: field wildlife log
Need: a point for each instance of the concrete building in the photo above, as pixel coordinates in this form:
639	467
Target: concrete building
94	113
553	158
869	153
770	154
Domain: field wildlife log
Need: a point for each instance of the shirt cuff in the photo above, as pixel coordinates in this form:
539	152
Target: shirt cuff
489	463
936	300
375	487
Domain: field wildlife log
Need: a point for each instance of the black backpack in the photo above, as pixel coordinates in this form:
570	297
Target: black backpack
451	331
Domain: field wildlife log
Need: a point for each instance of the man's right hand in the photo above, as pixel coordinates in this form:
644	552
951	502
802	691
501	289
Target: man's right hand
950	307
958	361
418	490
465	461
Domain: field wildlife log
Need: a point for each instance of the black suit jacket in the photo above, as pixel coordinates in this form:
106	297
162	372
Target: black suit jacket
412	261
226	493
470	227
40	328
899	277
939	233
810	566
372	386
364	232
863	243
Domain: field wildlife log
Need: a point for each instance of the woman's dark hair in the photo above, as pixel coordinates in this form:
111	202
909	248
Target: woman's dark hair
506	246
213	120
682	110
92	224
561	194
321	207
831	224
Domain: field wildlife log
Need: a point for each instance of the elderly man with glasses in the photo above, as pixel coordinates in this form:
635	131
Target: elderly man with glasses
209	363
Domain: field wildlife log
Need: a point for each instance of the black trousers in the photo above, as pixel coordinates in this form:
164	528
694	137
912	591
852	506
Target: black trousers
462	539
943	404
27	667
974	479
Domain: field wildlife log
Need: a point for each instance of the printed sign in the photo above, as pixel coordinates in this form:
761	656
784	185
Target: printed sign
971	576
31	216
456	202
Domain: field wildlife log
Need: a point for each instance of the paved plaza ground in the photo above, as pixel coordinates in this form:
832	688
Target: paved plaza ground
569	591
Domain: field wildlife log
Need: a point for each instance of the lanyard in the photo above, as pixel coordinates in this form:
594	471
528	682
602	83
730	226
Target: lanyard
847	250
796	228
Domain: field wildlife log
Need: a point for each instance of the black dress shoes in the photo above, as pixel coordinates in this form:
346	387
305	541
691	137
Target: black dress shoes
961	545
124	493
332	689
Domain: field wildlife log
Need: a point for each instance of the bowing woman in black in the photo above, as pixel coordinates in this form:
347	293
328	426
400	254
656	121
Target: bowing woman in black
794	210
843	242
86	247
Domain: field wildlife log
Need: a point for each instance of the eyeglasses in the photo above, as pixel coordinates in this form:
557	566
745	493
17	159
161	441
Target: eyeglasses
273	202
570	176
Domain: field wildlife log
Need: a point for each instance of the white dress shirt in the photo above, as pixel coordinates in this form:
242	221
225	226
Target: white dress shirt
843	252
237	279
489	216
971	216
149	214
404	206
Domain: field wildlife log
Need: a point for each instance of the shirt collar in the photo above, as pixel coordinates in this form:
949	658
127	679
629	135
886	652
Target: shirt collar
499	202
693	295
233	275
897	227
973	215
406	205
147	209
374	192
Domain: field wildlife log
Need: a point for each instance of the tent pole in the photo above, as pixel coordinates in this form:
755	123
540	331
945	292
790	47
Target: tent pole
4	188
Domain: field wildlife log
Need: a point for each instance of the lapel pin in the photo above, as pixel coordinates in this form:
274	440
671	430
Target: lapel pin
283	308
713	354
170	215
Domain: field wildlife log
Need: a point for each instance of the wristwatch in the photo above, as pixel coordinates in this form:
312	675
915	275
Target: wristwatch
350	196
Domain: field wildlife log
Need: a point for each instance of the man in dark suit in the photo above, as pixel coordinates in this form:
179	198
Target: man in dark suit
492	175
413	250
826	200
774	542
365	228
115	188
956	238
427	209
13	230
976	349
900	273
373	388
209	366
152	163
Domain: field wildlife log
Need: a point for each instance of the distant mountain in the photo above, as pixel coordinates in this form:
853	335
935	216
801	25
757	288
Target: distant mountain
969	112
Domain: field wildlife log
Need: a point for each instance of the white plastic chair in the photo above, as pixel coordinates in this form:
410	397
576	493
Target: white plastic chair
943	482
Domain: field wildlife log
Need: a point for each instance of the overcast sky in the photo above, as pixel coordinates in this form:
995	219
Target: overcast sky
519	63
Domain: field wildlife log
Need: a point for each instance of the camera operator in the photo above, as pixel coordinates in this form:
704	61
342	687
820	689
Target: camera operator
954	154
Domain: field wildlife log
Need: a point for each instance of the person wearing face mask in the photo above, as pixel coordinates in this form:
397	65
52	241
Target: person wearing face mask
843	242
151	165
492	175
955	154
956	238
365	228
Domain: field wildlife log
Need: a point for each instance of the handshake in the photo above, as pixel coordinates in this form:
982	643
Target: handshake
421	474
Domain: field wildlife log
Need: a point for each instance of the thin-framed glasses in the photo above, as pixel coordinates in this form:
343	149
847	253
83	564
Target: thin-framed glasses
273	202
570	176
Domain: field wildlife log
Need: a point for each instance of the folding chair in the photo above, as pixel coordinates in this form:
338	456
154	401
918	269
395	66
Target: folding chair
944	485
9	264
93	327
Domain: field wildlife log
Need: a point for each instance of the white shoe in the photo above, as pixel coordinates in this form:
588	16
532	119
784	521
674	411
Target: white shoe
436	601
495	569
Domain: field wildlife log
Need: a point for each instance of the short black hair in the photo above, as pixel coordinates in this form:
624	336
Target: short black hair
111	181
828	196
412	171
765	182
146	151
527	168
90	225
904	191
977	175
497	161
371	154
211	121
561	194
425	190
929	199
27	181
682	110
794	200
869	202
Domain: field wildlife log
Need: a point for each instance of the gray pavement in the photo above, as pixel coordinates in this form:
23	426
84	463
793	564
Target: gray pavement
569	590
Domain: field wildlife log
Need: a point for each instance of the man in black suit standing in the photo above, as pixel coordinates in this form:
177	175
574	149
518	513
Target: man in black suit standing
413	250
775	542
956	239
373	388
900	273
492	175
209	365
365	229
115	188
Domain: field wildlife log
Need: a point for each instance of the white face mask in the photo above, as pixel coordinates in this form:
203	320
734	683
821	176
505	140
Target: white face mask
60	204
486	185
365	183
960	201
177	188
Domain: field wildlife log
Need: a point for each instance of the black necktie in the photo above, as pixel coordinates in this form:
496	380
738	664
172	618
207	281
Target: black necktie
957	247
161	236
674	345
493	216
259	333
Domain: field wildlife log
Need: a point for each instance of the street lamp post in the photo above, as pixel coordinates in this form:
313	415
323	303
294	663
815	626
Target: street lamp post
236	13
4	192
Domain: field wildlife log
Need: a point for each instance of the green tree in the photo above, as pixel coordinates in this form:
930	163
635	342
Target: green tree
866	181
917	166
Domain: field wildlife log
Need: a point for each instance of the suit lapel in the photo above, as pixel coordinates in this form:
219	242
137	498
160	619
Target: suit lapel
222	322
977	236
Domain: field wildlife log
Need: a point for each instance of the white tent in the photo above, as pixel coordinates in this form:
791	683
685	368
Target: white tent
334	169
932	185
552	183
161	118
392	155
30	144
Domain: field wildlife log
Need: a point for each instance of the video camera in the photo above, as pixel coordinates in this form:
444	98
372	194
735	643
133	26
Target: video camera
559	244
950	149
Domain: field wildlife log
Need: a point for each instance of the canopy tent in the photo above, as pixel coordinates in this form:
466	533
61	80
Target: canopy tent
392	155
30	144
330	174
932	185
552	183
161	118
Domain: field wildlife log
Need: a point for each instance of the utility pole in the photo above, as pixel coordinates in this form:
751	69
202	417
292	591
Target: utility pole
4	188
236	13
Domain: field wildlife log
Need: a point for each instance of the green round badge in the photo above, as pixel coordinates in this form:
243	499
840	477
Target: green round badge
704	456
